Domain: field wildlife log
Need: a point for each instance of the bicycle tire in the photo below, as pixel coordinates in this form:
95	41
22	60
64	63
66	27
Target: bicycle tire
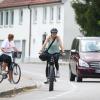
51	85
51	78
16	73
1	76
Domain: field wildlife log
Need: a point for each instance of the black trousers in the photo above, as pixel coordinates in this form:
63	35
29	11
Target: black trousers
56	59
7	59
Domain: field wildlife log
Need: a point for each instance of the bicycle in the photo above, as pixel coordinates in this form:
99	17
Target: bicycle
51	70
16	71
51	73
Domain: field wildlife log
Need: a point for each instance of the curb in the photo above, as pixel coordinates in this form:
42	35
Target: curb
15	91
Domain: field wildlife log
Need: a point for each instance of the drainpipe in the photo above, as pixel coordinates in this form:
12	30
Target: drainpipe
30	31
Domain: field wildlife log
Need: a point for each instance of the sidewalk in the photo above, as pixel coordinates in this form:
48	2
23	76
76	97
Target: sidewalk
7	89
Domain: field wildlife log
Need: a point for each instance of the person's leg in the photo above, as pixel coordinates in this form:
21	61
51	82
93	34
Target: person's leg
8	60
56	58
10	75
3	63
46	71
10	69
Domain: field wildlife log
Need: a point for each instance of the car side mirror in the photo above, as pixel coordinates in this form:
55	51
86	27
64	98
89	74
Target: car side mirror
73	51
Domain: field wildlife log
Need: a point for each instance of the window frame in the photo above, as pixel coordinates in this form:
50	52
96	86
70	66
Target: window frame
6	18
1	18
20	16
58	13
11	17
51	14
44	14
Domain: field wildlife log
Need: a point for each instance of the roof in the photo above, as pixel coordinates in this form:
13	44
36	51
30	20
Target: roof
16	3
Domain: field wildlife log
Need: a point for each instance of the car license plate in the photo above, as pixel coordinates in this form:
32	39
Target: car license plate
97	71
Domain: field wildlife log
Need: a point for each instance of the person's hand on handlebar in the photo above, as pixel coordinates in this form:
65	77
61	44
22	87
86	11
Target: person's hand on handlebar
62	53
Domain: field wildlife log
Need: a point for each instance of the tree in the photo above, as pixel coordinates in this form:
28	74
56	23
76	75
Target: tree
88	16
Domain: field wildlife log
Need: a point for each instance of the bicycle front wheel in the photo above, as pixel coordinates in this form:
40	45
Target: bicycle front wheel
51	78
16	73
1	76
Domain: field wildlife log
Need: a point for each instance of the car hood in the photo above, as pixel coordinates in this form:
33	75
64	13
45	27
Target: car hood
90	56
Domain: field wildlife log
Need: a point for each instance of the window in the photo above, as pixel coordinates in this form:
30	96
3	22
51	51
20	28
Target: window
44	15
1	18
11	17
34	15
6	20
58	13
20	16
51	14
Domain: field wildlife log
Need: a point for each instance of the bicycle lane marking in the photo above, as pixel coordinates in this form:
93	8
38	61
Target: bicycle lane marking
62	94
73	87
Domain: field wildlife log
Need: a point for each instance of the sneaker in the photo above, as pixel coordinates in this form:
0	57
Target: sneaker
10	81
57	74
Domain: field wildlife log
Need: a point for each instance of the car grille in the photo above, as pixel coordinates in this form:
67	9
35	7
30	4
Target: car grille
95	64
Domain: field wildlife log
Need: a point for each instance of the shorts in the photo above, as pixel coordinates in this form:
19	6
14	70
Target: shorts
7	59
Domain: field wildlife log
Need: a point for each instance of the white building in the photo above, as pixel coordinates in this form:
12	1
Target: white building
30	19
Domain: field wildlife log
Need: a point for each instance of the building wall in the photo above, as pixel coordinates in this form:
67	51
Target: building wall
39	28
21	31
71	29
67	27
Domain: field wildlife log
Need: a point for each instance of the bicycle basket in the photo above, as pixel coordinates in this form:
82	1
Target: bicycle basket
16	54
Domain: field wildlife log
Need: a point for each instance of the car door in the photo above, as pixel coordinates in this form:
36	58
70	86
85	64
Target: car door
74	55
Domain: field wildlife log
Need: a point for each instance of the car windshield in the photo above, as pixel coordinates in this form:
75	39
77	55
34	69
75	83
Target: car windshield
90	45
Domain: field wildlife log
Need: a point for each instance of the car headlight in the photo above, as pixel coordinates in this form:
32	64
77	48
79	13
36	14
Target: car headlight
83	63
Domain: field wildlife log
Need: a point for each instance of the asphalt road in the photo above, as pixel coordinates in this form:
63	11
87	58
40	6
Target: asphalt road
89	89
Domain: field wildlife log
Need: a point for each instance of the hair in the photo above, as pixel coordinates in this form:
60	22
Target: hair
10	37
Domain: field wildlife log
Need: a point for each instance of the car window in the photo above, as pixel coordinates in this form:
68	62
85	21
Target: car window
77	45
74	43
90	45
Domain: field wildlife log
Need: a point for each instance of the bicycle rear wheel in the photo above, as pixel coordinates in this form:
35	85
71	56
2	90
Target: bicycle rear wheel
1	76
16	73
51	78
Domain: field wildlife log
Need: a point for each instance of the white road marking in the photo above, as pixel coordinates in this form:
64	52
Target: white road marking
56	96
62	94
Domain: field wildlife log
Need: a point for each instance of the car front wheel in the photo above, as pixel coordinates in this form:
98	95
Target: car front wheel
71	75
79	79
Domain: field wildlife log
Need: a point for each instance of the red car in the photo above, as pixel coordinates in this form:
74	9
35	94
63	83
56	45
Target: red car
84	59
